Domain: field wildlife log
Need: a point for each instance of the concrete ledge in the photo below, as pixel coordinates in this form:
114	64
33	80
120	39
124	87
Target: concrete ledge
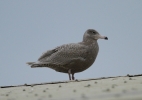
105	88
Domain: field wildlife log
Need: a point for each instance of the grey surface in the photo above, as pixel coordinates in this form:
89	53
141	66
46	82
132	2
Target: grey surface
115	88
27	28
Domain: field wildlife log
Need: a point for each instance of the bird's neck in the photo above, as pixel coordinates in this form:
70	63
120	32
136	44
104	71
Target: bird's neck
89	41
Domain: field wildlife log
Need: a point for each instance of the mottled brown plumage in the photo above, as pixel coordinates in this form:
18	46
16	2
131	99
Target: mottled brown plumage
72	58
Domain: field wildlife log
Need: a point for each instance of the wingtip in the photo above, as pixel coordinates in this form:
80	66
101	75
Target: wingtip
30	63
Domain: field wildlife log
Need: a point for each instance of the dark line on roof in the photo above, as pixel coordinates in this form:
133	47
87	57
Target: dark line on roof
69	81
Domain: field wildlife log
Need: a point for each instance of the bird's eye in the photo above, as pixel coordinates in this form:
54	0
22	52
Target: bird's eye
93	32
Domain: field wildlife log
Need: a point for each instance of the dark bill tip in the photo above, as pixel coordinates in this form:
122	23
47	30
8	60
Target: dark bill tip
106	38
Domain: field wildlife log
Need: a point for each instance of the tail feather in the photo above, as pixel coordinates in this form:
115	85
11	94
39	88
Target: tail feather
30	63
37	64
33	64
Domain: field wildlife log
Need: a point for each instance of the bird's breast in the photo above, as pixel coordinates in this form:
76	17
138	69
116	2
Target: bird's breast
91	55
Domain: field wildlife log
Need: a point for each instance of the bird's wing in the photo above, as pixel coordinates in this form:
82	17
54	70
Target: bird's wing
46	54
64	54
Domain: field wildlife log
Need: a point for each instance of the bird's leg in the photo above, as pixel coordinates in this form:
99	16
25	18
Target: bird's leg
69	73
73	78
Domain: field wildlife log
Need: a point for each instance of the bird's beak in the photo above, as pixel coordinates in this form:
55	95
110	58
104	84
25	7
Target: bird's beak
101	37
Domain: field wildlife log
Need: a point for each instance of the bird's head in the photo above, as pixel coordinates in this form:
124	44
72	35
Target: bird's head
92	34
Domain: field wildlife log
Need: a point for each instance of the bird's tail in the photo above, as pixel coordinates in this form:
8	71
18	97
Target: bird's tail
30	63
33	64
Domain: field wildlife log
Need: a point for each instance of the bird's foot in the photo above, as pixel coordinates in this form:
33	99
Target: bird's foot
69	73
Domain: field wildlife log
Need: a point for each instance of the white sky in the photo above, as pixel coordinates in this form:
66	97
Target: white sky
29	28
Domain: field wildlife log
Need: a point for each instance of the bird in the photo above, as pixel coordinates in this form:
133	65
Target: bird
73	57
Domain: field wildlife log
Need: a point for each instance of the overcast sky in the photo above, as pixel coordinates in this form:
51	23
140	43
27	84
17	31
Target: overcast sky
30	27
